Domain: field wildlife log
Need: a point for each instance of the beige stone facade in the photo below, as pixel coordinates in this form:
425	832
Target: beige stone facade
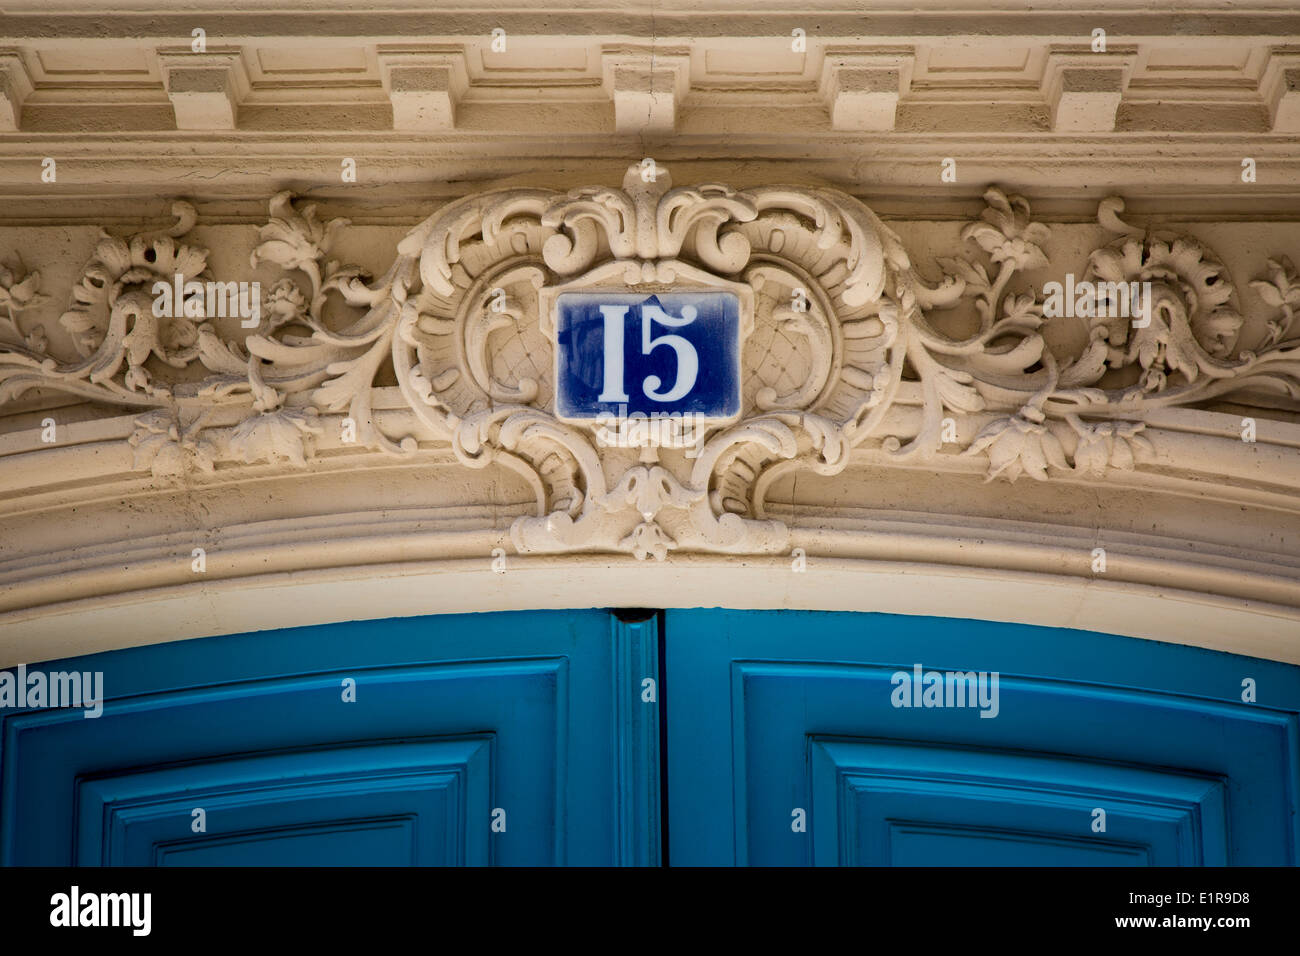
933	216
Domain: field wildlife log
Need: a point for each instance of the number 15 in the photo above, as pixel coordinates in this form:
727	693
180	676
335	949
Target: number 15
688	360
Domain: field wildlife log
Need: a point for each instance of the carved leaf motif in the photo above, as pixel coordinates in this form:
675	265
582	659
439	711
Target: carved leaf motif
697	214
121	267
350	378
1283	287
1019	445
350	282
295	239
1007	234
956	392
585	214
162	445
1191	326
287	434
1109	445
974	275
1023	313
284	305
16	294
1281	292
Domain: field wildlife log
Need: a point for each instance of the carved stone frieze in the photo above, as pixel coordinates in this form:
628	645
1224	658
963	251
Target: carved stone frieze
839	326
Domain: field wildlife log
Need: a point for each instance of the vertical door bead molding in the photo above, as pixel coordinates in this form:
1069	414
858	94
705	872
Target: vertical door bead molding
841	330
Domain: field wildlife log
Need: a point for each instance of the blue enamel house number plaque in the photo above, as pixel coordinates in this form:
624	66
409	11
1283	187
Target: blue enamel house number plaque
621	354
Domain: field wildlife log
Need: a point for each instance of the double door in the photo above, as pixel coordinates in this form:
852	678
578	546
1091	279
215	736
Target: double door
686	737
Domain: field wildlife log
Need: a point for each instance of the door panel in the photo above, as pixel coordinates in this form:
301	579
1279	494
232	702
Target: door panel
777	714
454	719
380	805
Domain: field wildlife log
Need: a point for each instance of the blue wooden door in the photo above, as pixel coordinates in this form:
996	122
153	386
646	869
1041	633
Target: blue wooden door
791	738
473	739
800	738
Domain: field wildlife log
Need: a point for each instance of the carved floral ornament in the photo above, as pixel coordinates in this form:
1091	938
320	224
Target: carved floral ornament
822	368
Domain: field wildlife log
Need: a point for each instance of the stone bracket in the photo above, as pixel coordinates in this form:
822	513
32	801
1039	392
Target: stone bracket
647	89
862	89
15	87
205	88
1083	89
424	87
1280	86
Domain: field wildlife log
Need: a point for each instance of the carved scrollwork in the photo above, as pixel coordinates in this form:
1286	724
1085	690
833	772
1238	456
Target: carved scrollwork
839	330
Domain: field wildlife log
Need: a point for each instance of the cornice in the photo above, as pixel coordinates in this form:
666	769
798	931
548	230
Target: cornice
931	21
1165	110
804	78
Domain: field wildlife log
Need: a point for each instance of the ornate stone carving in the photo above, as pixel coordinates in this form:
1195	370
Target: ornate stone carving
840	330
